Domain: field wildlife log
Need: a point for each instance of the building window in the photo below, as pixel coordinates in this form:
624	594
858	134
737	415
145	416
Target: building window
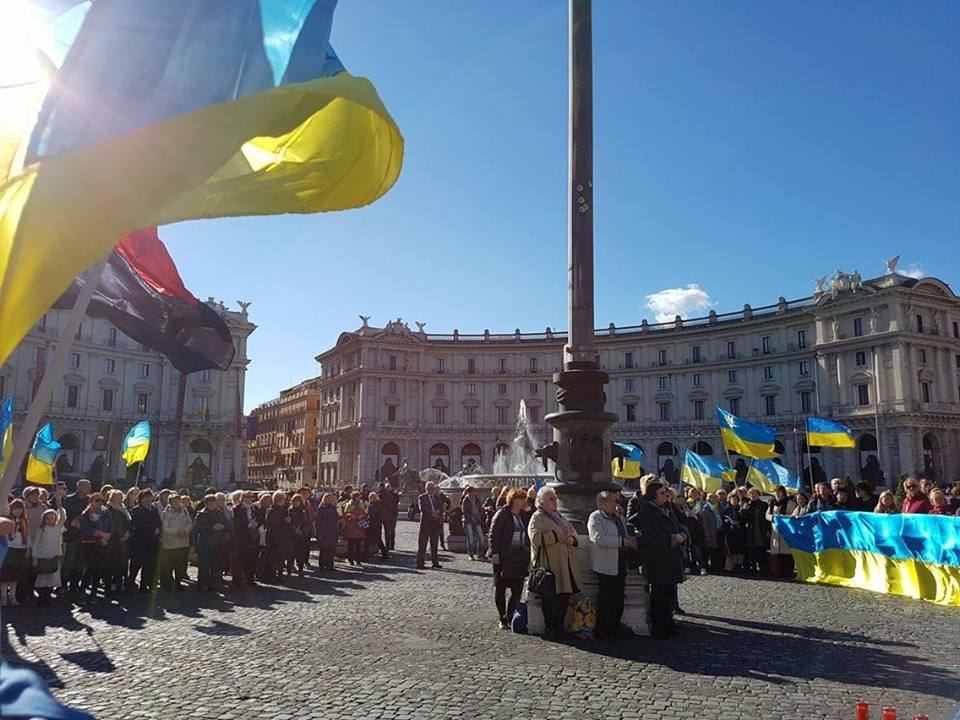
392	387
628	358
471	388
768	372
471	416
956	330
502	365
664	408
144	370
391	413
661	357
801	338
73	396
111	366
201	404
732	377
440	366
923	356
205	375
628	385
925	391
440	415
533	414
392	362
143	403
863	395
471	366
861	358
765	344
533	365
697	380
731	350
919	323
501	416
805	402
42	323
631	413
663	382
74	360
770	404
79	332
698	409
735	406
697	357
107	400
804	368
441	389
502	389
957	361
534	388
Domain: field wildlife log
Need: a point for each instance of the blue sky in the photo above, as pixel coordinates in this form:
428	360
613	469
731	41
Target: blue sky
746	148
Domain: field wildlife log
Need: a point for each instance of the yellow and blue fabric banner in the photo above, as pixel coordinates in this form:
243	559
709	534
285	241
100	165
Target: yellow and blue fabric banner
826	433
141	113
6	431
627	467
43	457
136	444
766	475
704	472
902	554
746	438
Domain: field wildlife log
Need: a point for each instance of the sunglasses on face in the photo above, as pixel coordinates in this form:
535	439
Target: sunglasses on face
911	487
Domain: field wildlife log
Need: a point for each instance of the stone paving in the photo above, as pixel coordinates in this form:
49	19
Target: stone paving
393	643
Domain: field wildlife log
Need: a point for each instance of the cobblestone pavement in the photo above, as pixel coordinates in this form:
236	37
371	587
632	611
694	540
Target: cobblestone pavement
390	642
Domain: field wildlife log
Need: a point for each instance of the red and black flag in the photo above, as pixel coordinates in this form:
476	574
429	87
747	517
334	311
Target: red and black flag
142	294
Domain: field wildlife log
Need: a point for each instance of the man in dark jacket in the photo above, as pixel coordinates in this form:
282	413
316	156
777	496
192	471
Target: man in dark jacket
145	525
864	500
661	546
328	530
210	529
756	528
74	503
431	522
246	539
822	499
390	500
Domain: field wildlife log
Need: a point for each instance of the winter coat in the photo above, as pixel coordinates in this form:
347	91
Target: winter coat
353	513
89	526
662	556
47	541
756	527
177	526
34	514
208	539
245	528
280	532
328	526
472	510
514	563
920	505
778	546
145	521
300	522
390	500
377	517
606	542
712	535
548	551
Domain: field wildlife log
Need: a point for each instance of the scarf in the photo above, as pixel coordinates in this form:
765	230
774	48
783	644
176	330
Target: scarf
782	505
566	529
120	508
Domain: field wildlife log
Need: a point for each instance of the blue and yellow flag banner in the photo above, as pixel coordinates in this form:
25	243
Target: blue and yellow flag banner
704	472
826	433
627	467
43	457
6	431
136	444
903	554
766	475
143	113
746	438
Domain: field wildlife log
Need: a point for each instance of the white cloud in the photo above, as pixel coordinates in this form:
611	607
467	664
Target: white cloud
913	270
667	304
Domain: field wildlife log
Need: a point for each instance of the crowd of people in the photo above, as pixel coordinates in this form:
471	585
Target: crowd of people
86	544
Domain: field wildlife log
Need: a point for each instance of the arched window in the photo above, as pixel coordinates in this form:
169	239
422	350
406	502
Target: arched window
439	458
778	447
702	447
201	445
389	460
667	449
867	443
470	454
931	456
199	461
69	452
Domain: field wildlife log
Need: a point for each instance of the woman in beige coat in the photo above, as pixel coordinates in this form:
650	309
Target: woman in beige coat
551	537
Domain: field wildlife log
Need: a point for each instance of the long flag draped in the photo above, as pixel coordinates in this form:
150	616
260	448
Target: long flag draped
704	472
903	554
143	113
746	438
827	433
43	457
136	444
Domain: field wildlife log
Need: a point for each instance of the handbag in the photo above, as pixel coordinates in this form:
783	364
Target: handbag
46	566
542	581
363	523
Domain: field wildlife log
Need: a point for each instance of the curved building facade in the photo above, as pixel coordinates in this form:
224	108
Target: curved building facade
881	356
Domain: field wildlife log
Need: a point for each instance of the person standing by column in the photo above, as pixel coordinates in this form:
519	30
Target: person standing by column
551	537
509	554
431	519
608	558
662	549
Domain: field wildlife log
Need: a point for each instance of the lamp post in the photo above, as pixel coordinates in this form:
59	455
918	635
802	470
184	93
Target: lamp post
581	426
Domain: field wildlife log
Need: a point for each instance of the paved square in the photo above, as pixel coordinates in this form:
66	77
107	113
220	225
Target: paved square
391	642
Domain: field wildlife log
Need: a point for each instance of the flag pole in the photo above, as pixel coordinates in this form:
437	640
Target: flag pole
806	432
53	375
876	405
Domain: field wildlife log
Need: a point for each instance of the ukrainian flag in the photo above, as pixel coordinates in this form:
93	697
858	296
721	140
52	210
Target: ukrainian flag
826	433
903	554
6	431
42	458
704	472
120	115
766	475
136	444
744	437
627	467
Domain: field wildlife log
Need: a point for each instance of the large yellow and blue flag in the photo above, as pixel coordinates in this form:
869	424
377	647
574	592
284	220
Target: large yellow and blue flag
903	554
6	431
766	475
627	467
136	444
704	472
43	457
116	116
744	437
827	433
